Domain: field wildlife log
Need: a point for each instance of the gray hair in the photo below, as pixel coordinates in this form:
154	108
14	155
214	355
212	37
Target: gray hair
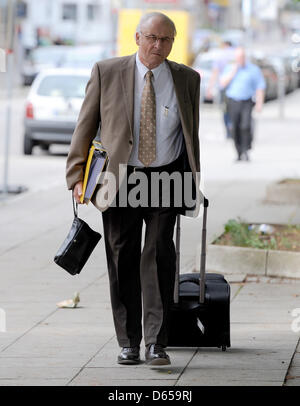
146	17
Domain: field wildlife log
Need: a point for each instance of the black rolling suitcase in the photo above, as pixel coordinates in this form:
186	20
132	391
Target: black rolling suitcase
200	315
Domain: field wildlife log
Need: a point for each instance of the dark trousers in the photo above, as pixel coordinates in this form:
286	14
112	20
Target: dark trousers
240	112
226	118
141	279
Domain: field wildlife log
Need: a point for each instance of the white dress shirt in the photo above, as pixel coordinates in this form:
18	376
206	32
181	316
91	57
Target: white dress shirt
169	136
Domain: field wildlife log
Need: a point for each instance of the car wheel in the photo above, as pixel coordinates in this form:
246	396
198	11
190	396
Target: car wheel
26	81
45	147
28	144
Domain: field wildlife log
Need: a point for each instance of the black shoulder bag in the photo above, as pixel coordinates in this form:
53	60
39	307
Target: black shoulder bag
78	245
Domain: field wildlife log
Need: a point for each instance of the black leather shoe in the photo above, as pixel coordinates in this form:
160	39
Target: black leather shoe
156	355
129	356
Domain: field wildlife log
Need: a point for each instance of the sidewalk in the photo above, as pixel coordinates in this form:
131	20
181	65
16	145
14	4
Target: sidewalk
45	345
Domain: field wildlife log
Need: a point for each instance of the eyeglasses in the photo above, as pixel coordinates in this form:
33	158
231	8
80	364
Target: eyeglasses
153	39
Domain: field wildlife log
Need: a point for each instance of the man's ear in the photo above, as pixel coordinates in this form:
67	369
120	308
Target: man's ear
137	38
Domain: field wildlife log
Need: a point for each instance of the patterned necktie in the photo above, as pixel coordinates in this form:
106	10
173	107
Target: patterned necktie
147	140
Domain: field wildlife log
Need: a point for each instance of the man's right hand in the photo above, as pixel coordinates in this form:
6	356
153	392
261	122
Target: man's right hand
77	191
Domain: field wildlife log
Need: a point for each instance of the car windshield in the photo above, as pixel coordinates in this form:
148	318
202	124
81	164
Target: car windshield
63	86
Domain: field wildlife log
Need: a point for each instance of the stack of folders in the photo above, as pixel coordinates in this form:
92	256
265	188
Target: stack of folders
95	164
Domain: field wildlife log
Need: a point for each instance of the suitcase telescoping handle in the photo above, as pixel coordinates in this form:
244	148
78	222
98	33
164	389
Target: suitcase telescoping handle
202	258
203	253
176	286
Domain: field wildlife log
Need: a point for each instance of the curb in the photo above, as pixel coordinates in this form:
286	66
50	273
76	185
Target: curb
250	261
283	193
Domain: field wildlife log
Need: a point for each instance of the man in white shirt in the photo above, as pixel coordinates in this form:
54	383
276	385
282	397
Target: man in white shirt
148	108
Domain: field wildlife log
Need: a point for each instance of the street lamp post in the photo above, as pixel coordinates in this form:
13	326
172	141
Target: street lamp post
10	35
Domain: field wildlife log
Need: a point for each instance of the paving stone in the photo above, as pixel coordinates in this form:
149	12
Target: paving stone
132	374
205	372
296	360
252	279
235	289
207	381
241	358
28	361
294	371
292	382
33	382
235	278
91	379
30	372
280	331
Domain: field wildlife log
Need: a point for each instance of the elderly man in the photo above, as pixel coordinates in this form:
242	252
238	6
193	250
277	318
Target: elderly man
244	83
148	110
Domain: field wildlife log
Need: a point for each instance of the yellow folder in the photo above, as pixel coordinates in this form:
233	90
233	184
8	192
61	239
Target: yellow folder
92	173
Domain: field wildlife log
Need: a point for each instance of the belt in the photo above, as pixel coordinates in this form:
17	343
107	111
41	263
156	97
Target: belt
171	167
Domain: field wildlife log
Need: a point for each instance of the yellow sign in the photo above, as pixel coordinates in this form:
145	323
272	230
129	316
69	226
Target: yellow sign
129	19
222	3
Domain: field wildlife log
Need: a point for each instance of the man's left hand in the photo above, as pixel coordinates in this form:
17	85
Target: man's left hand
258	107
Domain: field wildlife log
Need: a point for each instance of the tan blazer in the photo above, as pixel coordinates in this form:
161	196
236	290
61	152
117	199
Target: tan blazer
109	103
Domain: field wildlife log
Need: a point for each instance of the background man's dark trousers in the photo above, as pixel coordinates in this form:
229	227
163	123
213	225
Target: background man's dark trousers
240	113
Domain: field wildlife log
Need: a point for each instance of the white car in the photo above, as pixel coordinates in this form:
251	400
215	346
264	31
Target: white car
203	64
52	107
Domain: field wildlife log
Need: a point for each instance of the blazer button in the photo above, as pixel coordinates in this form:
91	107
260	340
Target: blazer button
130	142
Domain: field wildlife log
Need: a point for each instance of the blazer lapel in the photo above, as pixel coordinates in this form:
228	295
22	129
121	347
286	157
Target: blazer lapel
127	72
180	85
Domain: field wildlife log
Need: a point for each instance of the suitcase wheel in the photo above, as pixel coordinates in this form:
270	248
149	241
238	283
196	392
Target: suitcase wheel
223	347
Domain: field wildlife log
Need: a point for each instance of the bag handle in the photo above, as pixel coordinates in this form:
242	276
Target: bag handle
203	253
75	206
176	286
203	256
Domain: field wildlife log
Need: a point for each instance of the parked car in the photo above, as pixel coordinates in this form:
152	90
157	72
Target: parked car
203	64
204	68
270	74
293	76
281	68
294	55
52	107
40	58
271	79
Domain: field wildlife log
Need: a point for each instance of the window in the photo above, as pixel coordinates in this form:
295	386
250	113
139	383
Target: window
92	12
69	12
21	9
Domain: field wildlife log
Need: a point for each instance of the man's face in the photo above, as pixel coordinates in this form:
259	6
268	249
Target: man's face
152	53
240	56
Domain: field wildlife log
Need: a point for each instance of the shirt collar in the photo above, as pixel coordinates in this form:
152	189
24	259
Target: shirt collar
142	69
